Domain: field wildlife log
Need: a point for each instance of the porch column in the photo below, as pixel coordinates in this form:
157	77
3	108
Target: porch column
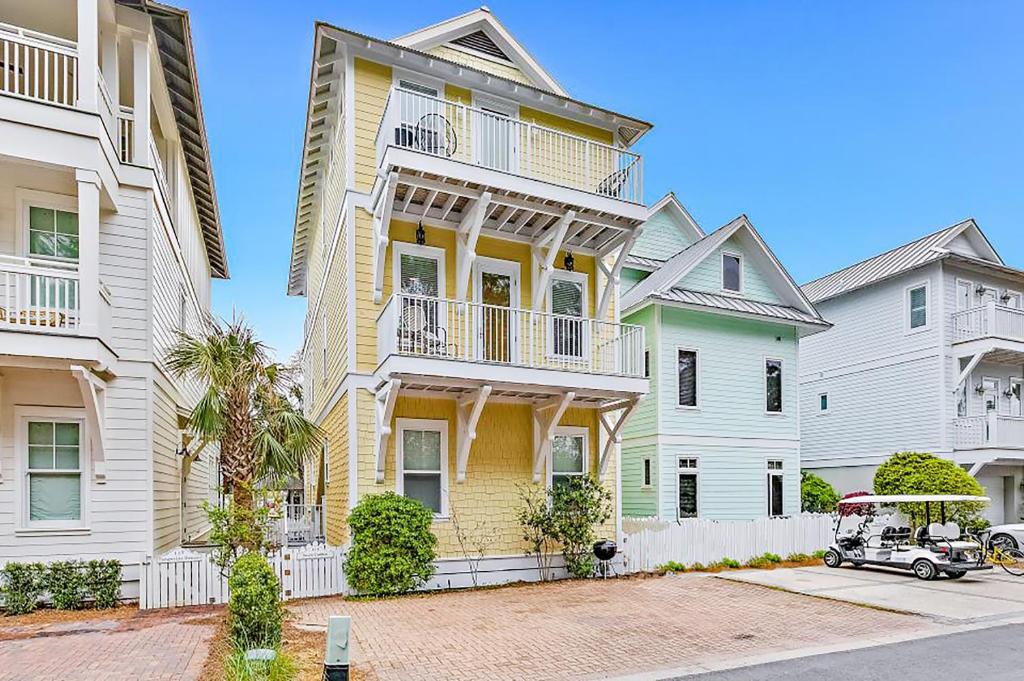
88	250
88	53
109	65
140	103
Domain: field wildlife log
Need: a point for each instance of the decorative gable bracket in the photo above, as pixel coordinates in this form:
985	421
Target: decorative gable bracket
384	403
93	391
546	416
612	426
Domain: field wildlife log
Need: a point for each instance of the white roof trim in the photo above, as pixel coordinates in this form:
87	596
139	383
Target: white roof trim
671	202
681	264
481	20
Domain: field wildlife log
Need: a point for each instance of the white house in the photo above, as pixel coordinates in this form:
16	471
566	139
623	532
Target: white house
109	237
927	354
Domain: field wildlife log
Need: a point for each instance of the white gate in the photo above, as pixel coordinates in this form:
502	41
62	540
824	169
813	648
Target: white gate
185	577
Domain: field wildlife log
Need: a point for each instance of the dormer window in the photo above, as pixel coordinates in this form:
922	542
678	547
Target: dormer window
732	270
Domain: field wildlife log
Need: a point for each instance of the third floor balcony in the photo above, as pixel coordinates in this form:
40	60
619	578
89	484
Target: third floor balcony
991	321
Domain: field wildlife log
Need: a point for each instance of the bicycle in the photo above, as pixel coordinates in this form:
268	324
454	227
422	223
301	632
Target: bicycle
1009	558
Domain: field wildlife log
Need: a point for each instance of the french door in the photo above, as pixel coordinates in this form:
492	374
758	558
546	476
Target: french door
497	294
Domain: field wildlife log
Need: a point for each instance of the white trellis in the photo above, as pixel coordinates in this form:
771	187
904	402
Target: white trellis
185	577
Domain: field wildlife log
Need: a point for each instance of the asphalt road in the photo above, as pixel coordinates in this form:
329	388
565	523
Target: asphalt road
992	653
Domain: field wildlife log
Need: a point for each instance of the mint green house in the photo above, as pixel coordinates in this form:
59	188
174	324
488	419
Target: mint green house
718	435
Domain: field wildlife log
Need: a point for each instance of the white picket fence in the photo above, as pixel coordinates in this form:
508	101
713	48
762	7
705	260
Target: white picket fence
650	543
185	577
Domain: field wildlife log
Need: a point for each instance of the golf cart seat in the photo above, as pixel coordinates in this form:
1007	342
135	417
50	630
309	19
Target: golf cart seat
894	536
950	531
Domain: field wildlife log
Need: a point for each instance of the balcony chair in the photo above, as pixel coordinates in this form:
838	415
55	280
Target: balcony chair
427	136
613	184
419	333
52	319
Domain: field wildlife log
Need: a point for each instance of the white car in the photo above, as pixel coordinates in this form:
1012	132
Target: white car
1009	536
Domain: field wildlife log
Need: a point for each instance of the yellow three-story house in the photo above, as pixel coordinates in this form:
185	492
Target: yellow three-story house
460	226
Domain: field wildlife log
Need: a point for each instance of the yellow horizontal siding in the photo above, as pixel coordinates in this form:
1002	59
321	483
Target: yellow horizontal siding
335	427
372	84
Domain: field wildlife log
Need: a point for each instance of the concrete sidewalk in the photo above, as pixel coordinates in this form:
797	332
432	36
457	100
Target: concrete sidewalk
978	597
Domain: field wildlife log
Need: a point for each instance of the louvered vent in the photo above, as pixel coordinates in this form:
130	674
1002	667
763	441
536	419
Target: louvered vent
481	42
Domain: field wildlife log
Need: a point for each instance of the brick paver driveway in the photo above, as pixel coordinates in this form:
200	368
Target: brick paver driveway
593	629
166	645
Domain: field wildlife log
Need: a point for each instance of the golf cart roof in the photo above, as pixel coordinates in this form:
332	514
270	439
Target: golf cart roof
902	498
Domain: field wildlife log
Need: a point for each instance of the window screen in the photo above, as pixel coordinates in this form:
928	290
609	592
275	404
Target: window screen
730	272
54	471
918	307
567	325
773	385
687	378
421	467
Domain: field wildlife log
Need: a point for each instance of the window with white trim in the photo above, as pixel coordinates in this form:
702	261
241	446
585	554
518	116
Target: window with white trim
419	273
646	479
687	374
917	306
964	294
773	385
53	471
823	403
326	454
687	487
52	233
422	470
1012	299
732	272
568	455
647	363
776	484
567	301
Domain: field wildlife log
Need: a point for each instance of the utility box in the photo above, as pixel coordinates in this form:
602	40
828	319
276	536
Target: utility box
336	657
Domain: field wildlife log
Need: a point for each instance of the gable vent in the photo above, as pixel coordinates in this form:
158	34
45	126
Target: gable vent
481	42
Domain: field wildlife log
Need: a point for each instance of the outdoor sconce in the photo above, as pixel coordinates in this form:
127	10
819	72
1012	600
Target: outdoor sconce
569	262
421	234
1008	393
980	389
1005	297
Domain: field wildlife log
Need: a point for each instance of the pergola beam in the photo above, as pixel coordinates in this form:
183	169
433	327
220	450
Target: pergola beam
612	277
614	431
467	412
971	366
465	243
381	229
552	241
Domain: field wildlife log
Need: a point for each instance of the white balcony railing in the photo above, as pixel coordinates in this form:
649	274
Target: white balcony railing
992	430
988	321
300	524
38	66
463	133
126	134
38	295
436	328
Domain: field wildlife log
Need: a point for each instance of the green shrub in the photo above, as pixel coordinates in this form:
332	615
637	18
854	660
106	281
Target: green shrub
671	566
727	563
103	582
772	557
393	550
697	567
798	558
819	554
577	506
816	495
921	473
759	562
21	585
254	608
65	580
235	529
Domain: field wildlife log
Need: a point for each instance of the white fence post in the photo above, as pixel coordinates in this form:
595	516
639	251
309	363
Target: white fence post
650	543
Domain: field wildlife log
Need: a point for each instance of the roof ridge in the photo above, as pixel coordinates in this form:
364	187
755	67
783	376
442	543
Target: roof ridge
884	253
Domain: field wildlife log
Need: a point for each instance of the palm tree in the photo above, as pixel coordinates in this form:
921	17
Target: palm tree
245	407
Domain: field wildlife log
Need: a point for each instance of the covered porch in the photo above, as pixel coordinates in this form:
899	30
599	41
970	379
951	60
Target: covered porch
989	409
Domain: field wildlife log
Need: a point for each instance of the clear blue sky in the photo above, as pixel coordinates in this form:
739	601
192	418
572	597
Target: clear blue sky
841	129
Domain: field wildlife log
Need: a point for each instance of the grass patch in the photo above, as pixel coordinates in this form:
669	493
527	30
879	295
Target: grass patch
766	561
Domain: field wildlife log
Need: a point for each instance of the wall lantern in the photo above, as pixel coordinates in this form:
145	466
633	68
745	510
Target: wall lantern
569	262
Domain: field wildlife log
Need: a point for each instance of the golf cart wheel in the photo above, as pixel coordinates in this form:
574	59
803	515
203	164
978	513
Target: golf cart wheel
1012	561
956	574
924	569
833	559
1004	541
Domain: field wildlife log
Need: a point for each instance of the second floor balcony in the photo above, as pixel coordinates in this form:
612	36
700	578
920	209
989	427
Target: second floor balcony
469	340
421	136
989	321
993	430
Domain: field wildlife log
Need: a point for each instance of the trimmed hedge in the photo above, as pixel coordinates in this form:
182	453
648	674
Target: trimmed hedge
69	585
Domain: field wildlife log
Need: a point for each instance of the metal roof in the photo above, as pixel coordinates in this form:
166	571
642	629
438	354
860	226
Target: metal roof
174	42
889	264
741	305
645	263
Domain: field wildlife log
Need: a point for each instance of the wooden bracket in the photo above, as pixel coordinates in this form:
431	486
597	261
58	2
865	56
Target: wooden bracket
93	391
613	428
545	260
546	416
381	230
467	416
613	275
384	402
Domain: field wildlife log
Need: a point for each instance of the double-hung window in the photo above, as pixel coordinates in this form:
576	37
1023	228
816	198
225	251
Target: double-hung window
688	383
419	277
423	463
52	233
776	478
53	472
568	455
917	307
687	487
773	385
732	272
567	300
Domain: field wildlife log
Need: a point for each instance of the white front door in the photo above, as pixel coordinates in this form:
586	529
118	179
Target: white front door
496	290
1016	387
496	133
990	395
990	295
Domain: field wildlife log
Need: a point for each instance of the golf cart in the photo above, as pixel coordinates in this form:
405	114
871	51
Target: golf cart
936	548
